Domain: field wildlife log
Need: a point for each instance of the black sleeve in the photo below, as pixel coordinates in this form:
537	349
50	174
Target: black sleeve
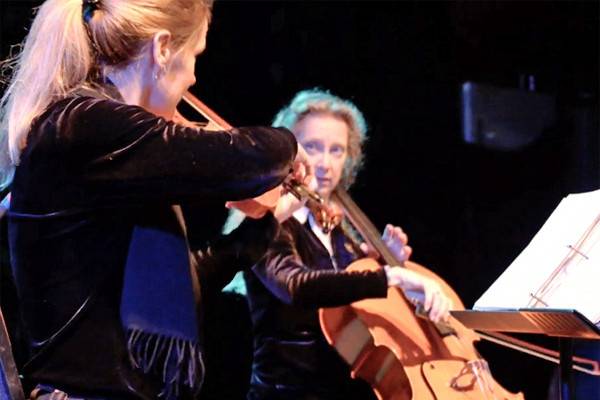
135	154
238	250
283	273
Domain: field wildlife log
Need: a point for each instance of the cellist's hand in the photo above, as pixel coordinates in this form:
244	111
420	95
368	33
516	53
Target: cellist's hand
435	302
396	240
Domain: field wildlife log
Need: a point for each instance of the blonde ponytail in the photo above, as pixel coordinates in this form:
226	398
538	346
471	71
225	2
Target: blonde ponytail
56	58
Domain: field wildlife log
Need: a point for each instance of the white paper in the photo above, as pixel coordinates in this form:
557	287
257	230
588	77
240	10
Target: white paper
560	242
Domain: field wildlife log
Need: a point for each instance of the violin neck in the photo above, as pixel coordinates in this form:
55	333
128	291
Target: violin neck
364	226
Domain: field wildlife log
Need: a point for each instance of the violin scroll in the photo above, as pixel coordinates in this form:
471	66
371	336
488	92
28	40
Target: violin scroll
256	207
327	216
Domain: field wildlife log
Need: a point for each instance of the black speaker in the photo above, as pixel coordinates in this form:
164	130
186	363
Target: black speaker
504	119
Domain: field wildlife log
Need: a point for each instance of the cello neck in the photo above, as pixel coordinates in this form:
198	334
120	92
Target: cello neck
364	226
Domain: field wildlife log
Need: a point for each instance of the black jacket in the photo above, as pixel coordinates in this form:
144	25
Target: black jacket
292	359
92	170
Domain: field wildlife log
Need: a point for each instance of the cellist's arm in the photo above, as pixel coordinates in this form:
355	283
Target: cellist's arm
435	303
283	273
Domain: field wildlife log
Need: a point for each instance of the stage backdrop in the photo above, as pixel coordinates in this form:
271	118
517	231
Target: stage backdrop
469	210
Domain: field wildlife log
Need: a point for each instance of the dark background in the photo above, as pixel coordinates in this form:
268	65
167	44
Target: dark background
468	210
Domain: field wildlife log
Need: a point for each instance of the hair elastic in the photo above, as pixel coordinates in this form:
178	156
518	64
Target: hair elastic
89	6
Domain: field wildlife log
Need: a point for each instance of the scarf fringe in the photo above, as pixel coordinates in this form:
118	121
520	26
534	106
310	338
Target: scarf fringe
178	361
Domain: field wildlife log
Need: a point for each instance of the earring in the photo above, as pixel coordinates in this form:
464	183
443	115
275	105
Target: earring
161	71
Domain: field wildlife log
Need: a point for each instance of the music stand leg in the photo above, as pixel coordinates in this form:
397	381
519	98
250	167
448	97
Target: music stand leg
565	382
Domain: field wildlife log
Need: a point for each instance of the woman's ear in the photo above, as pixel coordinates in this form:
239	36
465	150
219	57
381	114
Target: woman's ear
161	53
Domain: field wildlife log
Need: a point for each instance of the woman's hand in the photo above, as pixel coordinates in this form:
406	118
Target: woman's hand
302	173
286	206
435	302
283	205
396	240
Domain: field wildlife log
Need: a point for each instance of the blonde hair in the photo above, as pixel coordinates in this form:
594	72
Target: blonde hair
316	101
62	52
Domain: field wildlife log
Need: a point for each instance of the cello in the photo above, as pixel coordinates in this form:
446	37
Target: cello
455	357
389	343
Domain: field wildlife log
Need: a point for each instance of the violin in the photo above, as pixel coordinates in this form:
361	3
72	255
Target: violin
388	342
325	215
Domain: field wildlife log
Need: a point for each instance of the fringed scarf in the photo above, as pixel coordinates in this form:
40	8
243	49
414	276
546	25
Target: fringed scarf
160	296
158	308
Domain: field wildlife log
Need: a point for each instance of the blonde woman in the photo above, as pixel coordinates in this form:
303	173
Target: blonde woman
109	294
304	269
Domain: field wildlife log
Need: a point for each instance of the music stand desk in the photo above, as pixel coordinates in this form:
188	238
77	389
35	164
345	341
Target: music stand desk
565	324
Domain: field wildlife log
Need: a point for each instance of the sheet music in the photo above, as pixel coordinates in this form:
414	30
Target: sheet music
567	248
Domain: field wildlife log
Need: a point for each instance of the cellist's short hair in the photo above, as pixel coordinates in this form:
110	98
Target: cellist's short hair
317	101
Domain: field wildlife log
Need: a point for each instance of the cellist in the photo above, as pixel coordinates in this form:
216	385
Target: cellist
304	269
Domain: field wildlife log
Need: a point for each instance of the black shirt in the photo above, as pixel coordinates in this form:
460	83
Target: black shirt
92	170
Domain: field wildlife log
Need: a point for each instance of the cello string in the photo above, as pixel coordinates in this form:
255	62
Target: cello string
365	227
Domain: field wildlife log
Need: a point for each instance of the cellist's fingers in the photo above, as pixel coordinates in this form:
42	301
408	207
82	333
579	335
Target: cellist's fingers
428	300
394	233
396	240
368	251
436	307
406	253
435	303
445	311
439	307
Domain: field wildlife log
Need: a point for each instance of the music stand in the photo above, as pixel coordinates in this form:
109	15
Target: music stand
565	324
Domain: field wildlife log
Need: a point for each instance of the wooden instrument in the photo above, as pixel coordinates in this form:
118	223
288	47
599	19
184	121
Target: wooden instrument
255	207
402	355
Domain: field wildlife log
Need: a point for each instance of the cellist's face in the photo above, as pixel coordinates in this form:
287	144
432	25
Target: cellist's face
325	139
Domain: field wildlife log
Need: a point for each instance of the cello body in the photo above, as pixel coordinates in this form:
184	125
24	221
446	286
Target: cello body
406	357
402	355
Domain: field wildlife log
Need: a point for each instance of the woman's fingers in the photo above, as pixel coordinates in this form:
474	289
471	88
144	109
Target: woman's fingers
303	171
439	306
392	234
368	250
435	301
396	240
406	253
